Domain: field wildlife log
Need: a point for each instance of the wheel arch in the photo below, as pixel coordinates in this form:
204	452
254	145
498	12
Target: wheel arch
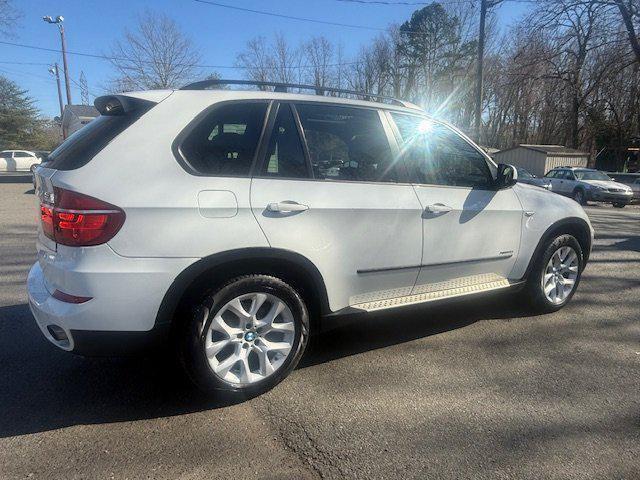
218	268
575	226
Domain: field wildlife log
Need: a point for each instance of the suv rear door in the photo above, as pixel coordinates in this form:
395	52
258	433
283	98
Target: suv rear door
471	230
340	199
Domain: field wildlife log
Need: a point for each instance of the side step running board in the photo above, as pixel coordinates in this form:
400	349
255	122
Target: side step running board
441	291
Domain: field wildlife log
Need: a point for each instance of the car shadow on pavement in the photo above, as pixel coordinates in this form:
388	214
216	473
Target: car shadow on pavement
361	333
43	388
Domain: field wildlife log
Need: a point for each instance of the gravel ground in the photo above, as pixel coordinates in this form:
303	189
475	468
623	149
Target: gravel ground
474	390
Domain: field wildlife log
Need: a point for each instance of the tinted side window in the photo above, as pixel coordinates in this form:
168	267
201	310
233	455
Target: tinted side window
22	155
551	174
347	143
225	141
437	155
285	157
5	155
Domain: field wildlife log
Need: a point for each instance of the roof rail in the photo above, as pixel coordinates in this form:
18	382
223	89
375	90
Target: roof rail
283	87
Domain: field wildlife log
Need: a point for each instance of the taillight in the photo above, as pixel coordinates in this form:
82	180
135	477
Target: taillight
79	220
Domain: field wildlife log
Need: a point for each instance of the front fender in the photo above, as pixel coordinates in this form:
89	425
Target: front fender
547	214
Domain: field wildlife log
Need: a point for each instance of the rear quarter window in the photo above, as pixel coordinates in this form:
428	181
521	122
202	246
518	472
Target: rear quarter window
223	141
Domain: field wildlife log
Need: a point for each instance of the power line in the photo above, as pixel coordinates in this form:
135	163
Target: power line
290	17
338	24
125	59
24	63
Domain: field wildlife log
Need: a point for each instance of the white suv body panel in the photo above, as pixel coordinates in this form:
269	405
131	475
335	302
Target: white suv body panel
158	195
126	293
363	237
368	240
484	226
542	209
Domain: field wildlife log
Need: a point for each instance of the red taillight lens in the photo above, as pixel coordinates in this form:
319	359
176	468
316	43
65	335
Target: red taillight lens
46	217
79	220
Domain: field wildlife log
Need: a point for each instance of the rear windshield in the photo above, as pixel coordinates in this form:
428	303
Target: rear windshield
78	150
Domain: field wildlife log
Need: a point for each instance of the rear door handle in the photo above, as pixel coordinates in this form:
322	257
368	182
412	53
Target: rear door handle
287	206
438	208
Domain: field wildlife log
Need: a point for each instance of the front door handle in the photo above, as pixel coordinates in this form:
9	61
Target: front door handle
438	208
287	206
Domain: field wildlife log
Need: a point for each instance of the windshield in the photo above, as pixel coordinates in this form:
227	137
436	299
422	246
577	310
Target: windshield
591	175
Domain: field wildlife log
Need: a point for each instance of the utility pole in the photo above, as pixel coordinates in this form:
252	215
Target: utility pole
484	6
54	71
58	21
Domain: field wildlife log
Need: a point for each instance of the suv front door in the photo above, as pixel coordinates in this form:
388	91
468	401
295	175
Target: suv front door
339	198
471	230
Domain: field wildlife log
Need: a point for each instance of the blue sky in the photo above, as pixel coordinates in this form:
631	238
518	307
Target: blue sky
219	33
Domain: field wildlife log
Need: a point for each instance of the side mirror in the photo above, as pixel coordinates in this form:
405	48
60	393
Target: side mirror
506	177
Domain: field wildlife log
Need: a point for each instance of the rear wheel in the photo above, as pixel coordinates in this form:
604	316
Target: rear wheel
245	337
555	275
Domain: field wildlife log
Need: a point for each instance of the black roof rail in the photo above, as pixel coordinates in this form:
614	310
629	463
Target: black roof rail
283	88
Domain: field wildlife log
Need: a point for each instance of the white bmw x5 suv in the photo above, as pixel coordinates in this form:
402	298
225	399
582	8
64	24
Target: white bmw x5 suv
230	221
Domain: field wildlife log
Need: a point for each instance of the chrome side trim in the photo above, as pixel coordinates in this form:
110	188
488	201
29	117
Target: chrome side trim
500	256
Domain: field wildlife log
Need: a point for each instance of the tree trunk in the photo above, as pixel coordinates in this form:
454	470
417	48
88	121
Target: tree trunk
631	31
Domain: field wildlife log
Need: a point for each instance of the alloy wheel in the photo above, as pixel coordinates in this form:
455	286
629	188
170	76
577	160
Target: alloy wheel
249	338
560	275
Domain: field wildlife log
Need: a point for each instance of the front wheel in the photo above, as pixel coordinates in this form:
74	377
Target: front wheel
245	337
579	196
555	275
619	205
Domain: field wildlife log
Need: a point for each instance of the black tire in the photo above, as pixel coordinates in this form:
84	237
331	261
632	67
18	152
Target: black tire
191	344
619	205
580	196
533	290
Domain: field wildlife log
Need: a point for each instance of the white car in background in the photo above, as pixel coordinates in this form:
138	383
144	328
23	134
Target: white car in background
17	160
587	184
231	222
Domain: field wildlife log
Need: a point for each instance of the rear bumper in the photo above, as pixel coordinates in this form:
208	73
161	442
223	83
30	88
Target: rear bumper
54	318
125	296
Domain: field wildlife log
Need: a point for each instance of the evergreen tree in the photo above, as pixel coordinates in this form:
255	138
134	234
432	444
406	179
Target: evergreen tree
19	120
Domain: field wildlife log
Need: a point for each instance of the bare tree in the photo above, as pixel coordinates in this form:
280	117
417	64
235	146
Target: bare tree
630	11
286	60
9	15
256	60
319	55
156	54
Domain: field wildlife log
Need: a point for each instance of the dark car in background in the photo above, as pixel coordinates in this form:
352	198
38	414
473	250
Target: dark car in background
526	177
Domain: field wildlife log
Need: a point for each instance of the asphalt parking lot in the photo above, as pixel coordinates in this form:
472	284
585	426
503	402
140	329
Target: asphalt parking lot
478	390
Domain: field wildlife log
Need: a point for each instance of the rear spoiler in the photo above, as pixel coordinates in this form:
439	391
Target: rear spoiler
114	105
